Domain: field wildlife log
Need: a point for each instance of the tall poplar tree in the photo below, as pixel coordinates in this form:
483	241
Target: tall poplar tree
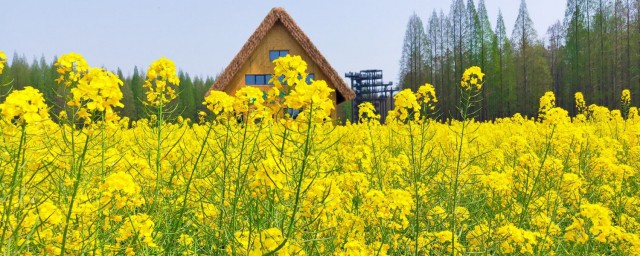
485	36
532	73
501	73
413	62
555	35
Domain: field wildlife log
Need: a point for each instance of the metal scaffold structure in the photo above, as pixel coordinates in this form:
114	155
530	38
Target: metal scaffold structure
369	87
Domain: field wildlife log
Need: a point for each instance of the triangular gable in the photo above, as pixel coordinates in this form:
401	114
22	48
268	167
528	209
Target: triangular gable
279	14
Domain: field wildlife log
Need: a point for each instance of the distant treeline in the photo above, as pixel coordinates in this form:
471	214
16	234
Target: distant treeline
594	50
41	74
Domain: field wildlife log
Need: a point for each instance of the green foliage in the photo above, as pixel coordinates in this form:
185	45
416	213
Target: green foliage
413	64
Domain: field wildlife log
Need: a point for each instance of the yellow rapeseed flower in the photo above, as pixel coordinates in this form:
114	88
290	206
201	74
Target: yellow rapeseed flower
97	91
161	79
472	79
366	112
248	98
291	68
557	116
3	60
185	240
314	98
406	106
547	102
46	212
140	227
581	105
25	106
219	102
426	96
626	98
71	67
633	113
516	240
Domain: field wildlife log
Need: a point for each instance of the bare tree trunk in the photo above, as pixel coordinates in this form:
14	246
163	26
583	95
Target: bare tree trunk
628	66
523	47
599	85
590	74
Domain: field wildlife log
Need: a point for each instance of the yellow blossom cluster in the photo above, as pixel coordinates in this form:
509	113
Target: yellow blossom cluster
581	105
267	240
162	77
472	79
547	102
71	67
291	68
97	91
549	113
406	106
426	95
625	99
24	106
94	91
3	60
367	112
249	101
413	106
312	99
219	102
138	227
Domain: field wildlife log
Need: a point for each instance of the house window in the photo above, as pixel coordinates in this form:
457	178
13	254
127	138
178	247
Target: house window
263	79
260	79
250	79
277	54
293	113
257	79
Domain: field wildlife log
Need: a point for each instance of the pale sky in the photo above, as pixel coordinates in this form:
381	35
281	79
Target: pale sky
202	37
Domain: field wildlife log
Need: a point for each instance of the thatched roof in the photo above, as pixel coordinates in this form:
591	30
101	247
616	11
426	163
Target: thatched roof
280	15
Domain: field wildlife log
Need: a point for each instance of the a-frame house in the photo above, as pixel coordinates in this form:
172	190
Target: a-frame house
277	36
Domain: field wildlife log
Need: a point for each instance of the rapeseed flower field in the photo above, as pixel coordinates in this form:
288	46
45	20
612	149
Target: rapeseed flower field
248	179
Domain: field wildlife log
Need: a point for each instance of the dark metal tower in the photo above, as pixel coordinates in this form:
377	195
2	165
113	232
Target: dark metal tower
369	87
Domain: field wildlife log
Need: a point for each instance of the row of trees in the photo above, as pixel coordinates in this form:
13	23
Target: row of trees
594	50
41	75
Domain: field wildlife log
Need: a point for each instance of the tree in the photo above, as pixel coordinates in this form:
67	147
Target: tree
433	35
620	50
501	72
532	73
574	24
473	29
36	78
187	103
459	35
601	48
555	35
636	54
628	29
448	65
485	36
414	55
138	94
128	100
